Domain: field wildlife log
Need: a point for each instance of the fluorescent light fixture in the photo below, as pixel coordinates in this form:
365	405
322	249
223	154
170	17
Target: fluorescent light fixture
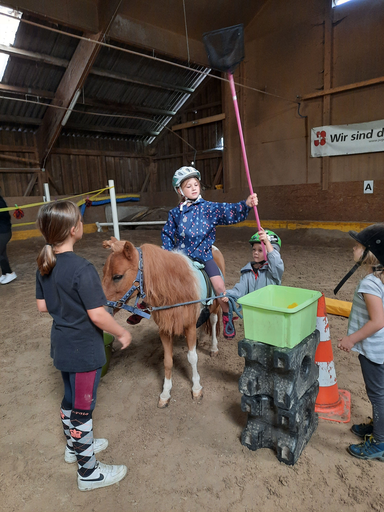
220	144
8	29
339	2
70	108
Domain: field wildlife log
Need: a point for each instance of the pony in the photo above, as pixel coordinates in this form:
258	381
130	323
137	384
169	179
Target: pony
168	278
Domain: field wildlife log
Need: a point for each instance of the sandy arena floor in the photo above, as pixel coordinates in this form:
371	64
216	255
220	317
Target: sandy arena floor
187	457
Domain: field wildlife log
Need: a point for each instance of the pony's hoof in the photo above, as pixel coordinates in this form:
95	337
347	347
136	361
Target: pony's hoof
197	396
162	404
214	353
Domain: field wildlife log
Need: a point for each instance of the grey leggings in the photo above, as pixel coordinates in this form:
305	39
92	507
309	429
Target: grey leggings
4	263
373	375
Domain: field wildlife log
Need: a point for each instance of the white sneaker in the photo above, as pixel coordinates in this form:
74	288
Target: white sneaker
103	475
98	446
8	278
2	278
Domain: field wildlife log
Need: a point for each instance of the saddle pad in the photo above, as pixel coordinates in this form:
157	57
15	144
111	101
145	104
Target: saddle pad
206	288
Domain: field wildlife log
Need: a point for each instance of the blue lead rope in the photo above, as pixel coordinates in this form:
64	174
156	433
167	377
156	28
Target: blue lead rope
233	306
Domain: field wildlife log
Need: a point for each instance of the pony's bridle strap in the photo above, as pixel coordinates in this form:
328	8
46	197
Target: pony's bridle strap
138	285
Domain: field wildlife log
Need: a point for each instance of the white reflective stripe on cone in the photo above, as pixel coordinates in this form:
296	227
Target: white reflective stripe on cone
327	374
322	326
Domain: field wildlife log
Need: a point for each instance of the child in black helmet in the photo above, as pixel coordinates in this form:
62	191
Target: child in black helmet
366	336
259	273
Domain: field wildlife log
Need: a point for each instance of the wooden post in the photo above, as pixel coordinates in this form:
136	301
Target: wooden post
218	176
31	184
328	50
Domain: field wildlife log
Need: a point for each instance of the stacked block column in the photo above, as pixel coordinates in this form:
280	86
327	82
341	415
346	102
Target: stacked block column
279	387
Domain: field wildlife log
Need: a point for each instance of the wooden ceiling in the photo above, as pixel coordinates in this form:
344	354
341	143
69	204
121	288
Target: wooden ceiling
193	17
172	28
200	15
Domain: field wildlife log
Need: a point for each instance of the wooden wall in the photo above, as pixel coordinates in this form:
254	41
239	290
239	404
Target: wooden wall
17	151
287	46
77	165
292	49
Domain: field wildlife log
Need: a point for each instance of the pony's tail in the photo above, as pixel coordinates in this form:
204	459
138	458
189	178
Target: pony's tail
46	260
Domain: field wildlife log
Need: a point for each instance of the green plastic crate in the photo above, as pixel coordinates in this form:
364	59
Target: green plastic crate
267	317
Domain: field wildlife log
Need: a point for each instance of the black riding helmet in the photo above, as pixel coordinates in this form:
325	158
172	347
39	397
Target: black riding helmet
372	238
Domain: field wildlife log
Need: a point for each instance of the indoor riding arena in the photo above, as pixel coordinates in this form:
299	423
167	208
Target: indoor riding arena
101	103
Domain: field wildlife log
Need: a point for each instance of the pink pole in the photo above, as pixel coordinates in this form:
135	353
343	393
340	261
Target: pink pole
234	97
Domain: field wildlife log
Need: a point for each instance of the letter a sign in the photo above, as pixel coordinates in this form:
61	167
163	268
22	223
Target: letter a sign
368	187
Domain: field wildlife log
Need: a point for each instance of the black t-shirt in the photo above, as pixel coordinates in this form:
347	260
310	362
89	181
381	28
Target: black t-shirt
71	289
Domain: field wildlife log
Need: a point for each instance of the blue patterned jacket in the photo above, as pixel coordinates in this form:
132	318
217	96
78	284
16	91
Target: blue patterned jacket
192	228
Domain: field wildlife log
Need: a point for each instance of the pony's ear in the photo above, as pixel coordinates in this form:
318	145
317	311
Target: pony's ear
129	250
110	244
107	244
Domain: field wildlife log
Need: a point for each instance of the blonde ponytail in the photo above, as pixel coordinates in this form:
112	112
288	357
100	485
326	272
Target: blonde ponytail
55	221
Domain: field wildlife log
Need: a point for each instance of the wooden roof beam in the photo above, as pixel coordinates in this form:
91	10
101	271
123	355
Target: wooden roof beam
110	129
109	106
70	85
35	56
19	120
54	61
14	89
342	88
140	81
125	108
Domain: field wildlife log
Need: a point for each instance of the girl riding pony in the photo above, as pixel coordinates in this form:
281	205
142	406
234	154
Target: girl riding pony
191	226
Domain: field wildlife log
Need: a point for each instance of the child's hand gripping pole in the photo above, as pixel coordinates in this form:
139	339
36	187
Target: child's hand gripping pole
234	97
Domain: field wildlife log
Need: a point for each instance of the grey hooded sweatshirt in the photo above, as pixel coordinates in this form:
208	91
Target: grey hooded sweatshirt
270	273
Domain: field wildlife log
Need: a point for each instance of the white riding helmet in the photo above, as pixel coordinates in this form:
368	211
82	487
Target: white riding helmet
182	174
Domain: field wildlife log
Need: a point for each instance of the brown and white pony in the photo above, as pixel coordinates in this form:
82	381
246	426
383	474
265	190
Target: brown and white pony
169	278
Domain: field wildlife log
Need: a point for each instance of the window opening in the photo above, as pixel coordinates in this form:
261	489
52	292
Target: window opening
8	29
336	3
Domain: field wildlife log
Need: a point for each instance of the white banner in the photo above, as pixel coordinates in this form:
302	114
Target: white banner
347	139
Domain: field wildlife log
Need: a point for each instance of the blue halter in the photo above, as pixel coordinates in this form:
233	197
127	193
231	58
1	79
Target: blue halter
120	304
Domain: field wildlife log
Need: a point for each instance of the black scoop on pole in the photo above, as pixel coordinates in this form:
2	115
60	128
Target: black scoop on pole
225	51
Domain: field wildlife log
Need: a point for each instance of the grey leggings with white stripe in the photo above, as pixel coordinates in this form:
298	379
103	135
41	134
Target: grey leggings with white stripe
373	375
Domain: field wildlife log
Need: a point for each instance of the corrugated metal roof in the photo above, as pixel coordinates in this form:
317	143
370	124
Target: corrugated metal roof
120	86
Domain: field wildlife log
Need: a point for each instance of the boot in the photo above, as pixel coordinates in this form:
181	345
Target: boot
91	474
228	327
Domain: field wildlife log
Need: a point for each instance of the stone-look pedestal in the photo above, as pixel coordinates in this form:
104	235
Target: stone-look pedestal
279	388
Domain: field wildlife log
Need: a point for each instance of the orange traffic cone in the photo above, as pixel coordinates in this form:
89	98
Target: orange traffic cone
331	403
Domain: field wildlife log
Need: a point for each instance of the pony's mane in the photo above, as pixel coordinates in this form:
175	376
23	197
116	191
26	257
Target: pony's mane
169	279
